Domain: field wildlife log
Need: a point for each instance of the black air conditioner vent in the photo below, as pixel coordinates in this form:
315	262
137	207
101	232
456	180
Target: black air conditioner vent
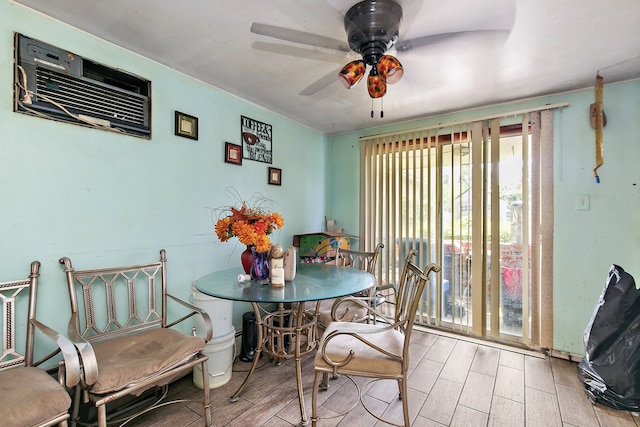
53	83
91	98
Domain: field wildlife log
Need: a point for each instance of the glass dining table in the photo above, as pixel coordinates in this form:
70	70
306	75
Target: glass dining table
290	331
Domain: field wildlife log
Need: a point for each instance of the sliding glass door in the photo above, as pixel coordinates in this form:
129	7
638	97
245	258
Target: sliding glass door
467	197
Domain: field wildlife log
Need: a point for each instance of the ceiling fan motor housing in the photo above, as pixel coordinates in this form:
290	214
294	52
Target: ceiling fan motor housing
372	28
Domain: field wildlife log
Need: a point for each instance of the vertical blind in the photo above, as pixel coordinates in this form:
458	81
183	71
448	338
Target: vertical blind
477	198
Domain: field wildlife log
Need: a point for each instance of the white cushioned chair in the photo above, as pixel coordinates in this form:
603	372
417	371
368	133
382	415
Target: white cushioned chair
351	310
121	330
377	351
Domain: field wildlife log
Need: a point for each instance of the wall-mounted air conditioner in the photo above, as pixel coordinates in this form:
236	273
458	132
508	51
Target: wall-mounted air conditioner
53	83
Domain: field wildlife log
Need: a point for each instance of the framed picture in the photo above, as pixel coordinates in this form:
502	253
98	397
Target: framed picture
257	140
232	153
186	125
275	176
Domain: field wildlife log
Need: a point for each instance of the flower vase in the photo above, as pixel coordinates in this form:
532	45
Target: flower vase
246	258
260	266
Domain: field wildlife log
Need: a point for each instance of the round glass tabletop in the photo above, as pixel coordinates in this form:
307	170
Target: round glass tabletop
312	282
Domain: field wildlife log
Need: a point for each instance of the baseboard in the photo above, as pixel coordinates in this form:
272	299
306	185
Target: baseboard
540	354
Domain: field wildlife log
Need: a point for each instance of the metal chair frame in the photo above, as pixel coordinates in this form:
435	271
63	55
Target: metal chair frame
409	292
112	303
13	358
363	260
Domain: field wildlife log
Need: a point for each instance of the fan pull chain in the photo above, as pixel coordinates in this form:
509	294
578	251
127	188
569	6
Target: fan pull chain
381	108
381	111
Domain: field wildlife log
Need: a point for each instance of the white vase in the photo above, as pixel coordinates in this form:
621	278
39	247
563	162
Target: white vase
290	261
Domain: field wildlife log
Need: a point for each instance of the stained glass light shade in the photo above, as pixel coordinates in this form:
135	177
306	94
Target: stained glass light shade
390	68
352	73
376	84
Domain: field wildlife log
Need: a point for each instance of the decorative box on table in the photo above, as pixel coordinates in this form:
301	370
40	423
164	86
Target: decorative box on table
320	246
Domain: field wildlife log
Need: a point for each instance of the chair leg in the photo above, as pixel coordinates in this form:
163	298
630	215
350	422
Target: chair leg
402	385
206	404
325	381
75	411
314	397
102	416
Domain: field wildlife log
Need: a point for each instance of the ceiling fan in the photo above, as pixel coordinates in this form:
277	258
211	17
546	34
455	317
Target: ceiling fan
373	28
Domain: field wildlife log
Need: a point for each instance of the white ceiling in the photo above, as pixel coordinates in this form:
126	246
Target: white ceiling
553	46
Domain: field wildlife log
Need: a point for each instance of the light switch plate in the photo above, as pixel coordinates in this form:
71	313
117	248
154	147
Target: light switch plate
582	202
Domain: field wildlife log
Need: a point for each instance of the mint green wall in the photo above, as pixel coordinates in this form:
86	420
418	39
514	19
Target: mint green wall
105	199
586	242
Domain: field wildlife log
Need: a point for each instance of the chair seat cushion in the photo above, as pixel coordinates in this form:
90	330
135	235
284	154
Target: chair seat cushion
348	311
366	360
29	396
128	360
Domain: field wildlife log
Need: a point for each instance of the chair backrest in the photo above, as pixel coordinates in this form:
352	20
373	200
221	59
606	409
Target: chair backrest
110	302
409	293
18	303
363	260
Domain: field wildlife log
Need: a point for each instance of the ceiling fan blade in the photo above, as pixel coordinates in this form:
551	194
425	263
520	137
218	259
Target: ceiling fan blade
323	82
302	52
407	45
301	37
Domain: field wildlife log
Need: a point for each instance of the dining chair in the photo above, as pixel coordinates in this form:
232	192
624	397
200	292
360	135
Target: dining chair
351	310
357	309
126	343
377	351
29	396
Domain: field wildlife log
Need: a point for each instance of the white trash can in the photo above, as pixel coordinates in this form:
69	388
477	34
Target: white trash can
221	352
220	311
221	347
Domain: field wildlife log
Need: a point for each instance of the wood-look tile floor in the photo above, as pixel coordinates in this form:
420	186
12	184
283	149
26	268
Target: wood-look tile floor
452	382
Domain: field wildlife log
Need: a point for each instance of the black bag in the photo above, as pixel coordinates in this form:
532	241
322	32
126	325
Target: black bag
610	370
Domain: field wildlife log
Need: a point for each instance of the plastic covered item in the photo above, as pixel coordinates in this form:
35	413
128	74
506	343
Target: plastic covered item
610	370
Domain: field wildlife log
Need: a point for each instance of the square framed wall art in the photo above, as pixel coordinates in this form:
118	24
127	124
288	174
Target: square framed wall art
186	126
232	153
275	176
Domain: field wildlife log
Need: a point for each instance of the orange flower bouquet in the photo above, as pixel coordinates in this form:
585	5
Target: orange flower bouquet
250	223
